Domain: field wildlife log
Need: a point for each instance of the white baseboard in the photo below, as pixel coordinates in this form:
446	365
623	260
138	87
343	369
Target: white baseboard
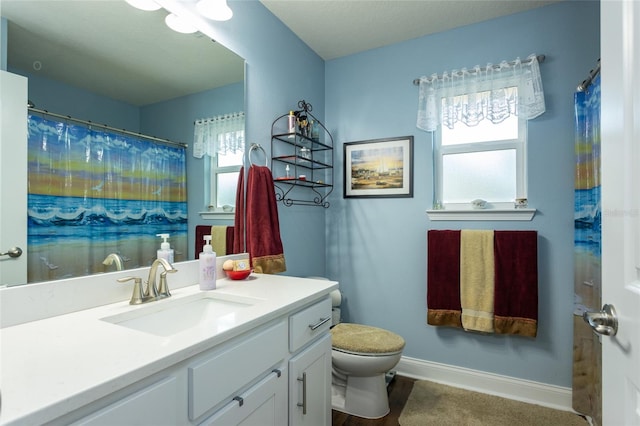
494	384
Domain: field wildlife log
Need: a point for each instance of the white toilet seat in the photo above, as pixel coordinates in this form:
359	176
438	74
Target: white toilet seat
367	354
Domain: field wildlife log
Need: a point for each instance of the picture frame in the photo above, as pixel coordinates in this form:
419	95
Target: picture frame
379	168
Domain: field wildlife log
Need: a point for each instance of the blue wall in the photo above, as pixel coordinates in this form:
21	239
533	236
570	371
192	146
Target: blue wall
376	248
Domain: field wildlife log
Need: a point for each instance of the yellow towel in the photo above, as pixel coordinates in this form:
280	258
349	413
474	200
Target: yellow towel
477	279
219	239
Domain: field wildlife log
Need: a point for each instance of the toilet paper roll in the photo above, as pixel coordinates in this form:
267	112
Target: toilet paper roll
336	298
335	316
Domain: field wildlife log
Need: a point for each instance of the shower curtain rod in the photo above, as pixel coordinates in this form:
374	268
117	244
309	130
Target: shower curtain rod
541	58
104	126
587	82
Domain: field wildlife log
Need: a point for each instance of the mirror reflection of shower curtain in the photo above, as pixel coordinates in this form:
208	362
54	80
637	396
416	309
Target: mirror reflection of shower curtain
93	192
587	352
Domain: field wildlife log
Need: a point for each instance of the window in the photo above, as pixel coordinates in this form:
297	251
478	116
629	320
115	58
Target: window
484	161
221	138
225	170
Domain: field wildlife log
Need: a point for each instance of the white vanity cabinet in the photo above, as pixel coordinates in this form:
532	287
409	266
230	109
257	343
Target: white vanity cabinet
310	366
274	374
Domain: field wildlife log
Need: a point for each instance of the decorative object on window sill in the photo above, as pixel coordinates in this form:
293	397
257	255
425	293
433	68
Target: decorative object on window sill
220	134
478	204
302	158
470	96
379	168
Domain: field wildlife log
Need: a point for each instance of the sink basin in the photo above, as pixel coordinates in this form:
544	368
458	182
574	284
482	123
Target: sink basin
205	311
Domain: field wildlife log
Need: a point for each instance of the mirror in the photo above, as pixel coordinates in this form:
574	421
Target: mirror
114	51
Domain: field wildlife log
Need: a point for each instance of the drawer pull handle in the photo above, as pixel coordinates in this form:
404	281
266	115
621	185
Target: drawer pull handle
278	372
319	323
304	393
239	399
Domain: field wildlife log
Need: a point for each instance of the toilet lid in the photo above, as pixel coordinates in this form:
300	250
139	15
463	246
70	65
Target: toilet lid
365	339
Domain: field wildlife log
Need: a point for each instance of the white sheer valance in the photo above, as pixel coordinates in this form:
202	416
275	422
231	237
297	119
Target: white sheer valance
222	134
490	93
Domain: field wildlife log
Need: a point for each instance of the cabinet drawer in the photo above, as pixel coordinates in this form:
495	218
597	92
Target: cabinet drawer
222	374
306	325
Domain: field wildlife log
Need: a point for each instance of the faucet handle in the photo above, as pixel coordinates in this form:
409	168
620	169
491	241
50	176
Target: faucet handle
163	288
137	297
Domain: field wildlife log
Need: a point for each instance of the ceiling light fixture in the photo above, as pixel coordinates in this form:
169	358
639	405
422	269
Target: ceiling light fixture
178	24
218	10
144	4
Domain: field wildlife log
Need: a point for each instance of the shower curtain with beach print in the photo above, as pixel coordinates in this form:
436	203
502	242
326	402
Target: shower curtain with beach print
92	192
587	352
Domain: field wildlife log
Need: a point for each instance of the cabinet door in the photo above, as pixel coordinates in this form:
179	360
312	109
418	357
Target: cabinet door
310	385
264	404
153	405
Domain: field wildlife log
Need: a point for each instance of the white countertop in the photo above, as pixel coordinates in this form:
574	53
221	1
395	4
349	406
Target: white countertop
53	366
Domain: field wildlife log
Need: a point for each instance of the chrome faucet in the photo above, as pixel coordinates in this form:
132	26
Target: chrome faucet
114	257
153	291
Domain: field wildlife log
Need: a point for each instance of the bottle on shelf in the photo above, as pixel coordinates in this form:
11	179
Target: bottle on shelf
291	122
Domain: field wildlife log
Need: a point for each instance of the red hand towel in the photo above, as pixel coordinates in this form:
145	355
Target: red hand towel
263	240
443	278
516	282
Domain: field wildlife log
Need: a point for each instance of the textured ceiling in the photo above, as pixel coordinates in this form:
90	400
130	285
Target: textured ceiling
336	28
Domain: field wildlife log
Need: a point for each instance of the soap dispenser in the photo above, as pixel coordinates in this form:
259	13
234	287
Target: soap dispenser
207	266
165	252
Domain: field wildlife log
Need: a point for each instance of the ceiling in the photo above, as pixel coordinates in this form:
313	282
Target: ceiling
335	28
112	49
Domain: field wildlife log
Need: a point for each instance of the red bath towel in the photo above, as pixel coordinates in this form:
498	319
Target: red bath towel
443	278
263	241
516	282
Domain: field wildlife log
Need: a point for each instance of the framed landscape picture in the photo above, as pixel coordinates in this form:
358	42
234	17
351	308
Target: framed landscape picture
379	168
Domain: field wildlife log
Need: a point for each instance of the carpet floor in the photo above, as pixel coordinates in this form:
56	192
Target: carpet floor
435	404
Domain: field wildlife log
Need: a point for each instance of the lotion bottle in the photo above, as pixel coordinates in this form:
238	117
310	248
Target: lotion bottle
165	252
207	266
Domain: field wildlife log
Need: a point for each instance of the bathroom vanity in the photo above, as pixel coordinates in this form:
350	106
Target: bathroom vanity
257	349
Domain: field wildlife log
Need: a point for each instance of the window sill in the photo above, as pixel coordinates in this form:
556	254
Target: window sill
482	214
217	215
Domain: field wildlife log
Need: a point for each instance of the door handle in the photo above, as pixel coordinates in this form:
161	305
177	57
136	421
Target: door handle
12	252
603	322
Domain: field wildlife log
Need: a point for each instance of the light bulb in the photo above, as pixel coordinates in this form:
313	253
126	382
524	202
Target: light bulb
218	10
144	4
178	24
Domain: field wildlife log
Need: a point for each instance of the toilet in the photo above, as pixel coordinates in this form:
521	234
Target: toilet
361	357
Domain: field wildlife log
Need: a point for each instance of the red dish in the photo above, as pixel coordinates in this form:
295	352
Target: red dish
238	275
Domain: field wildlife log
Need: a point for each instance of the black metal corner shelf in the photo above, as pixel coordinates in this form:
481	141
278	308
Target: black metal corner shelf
302	165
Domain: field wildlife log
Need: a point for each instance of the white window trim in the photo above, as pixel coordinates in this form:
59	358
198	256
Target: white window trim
493	211
469	214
